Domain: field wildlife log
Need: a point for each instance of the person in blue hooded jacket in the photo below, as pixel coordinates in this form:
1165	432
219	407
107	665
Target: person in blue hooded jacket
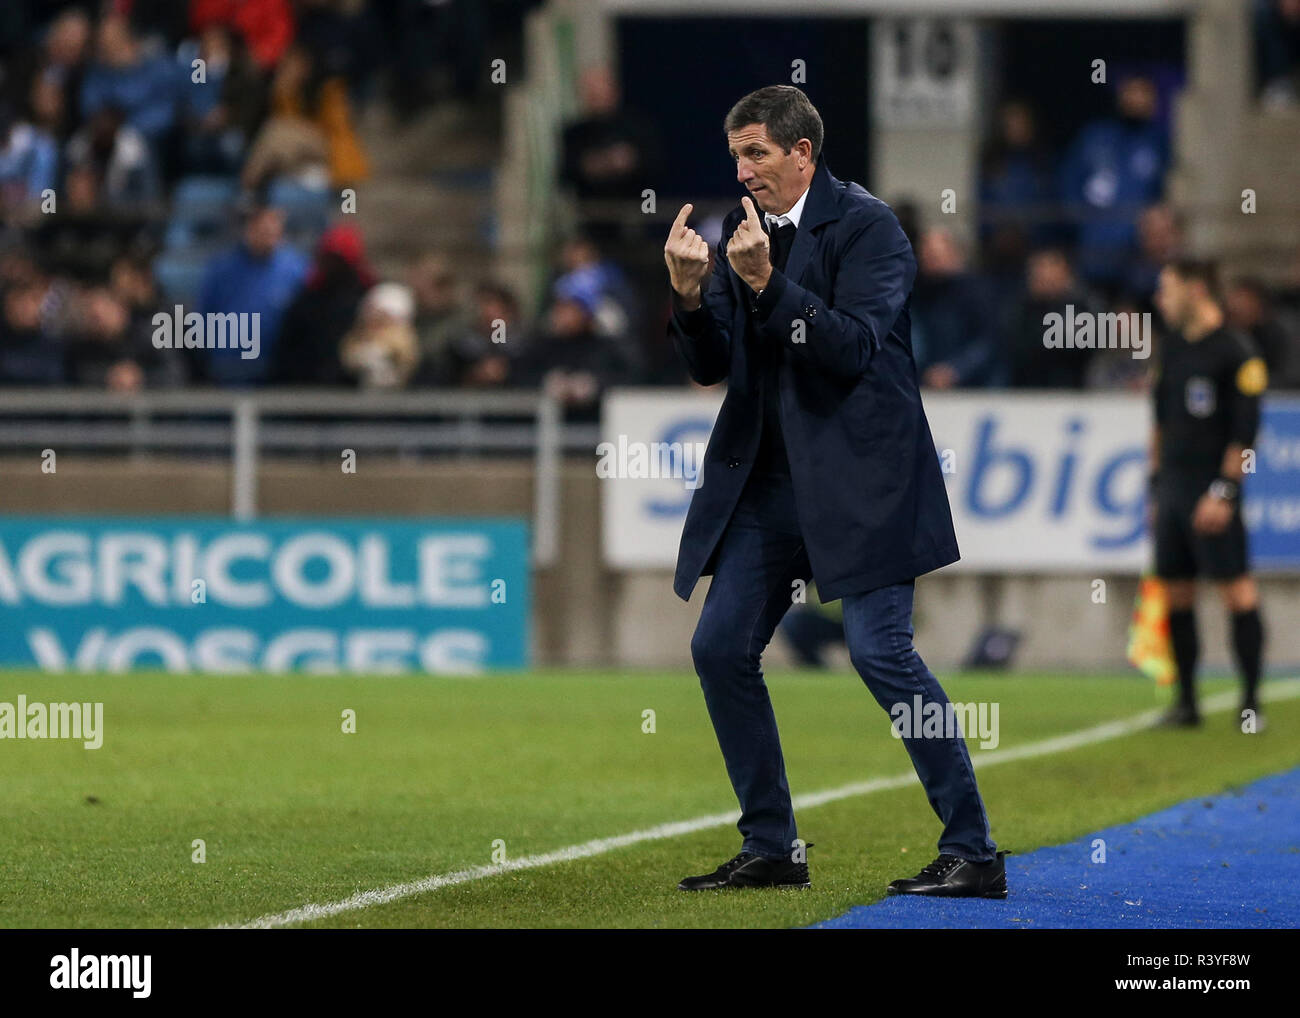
1112	171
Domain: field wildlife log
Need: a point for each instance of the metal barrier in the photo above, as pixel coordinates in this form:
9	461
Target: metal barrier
245	424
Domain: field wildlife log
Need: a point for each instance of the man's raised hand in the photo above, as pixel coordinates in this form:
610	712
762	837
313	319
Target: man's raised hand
747	251
687	256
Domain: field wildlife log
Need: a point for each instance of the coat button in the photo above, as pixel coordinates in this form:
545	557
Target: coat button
733	462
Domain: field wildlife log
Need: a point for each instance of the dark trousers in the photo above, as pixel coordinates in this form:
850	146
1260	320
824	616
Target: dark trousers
761	555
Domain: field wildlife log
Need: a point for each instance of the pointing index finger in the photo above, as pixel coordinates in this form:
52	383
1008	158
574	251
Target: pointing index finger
679	223
751	213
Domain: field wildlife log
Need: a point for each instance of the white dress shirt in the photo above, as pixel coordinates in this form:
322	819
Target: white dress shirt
796	210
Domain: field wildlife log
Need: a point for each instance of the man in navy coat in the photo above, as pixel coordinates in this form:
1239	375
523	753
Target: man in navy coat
820	465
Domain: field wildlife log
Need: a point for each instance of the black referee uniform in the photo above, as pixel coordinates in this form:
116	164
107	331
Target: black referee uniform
1207	397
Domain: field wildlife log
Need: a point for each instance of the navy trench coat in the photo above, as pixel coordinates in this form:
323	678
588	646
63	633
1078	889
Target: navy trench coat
868	487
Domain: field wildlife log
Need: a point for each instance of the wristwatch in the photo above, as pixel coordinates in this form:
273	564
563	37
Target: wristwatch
1224	489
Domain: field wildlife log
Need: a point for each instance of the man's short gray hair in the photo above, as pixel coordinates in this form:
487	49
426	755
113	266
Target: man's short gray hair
785	111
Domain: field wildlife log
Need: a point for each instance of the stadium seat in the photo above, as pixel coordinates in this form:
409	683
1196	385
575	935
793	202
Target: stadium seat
307	210
201	211
180	272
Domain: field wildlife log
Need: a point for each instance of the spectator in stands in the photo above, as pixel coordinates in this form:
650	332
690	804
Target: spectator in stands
324	311
49	77
440	319
144	86
310	129
953	320
1016	190
1113	169
1250	309
1051	287
1160	240
381	351
460	33
66	49
434	49
1277	52
29	353
481	357
130	280
223	112
49	110
266	26
160	23
112	351
16	266
342	41
609	154
29	162
1117	368
569	359
87	234
120	157
412	33
260	275
586	269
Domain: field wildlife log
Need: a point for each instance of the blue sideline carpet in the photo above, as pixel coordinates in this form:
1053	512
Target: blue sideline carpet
1224	862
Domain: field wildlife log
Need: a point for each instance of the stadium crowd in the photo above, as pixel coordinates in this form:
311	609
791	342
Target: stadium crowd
133	133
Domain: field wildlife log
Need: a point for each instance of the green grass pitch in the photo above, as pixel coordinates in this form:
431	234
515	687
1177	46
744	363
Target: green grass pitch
292	810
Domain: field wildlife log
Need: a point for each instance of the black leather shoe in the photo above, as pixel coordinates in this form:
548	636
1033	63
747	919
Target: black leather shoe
951	877
749	870
1180	715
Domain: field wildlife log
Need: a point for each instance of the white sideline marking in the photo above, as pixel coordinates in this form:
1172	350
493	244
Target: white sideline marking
1044	747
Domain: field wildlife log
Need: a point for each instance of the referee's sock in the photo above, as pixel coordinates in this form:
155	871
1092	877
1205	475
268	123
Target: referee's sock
1248	645
1182	634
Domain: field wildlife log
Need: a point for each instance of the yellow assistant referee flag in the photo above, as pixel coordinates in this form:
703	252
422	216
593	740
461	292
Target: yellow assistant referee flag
1149	649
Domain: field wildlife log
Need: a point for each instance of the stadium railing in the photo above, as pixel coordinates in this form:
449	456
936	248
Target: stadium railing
245	425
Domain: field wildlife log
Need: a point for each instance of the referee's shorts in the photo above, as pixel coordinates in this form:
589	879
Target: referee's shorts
1184	554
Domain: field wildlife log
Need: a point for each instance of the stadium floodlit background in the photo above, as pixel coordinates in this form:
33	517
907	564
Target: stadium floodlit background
450	217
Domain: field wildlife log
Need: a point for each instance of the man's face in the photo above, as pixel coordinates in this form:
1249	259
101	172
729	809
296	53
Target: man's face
435	286
1158	232
569	318
23	307
264	231
774	178
1173	299
116	47
1137	99
1049	275
68	38
940	254
106	316
82	188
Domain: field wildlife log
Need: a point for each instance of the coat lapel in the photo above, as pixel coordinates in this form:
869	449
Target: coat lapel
821	207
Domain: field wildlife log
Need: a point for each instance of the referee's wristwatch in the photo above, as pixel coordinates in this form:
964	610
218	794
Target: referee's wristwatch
1223	489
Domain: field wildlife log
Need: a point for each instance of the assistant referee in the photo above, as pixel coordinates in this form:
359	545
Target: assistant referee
1206	414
